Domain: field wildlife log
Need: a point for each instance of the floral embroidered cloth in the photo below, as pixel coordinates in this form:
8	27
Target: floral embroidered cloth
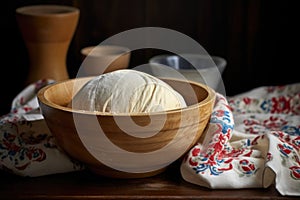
252	141
27	148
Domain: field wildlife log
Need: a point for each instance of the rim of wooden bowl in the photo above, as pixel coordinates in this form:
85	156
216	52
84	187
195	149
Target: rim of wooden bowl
211	94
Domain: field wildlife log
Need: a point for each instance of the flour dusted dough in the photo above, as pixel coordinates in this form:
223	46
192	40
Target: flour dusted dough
127	91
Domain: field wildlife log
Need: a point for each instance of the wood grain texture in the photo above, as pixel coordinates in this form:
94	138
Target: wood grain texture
85	185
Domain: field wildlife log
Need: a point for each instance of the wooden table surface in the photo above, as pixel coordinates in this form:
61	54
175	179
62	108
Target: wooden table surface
85	185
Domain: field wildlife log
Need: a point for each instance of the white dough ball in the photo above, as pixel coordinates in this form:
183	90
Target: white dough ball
127	91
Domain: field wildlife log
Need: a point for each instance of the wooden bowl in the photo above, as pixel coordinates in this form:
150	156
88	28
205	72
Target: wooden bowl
126	146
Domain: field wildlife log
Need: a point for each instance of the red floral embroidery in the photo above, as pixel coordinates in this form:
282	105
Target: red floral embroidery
281	105
247	100
295	172
196	151
247	167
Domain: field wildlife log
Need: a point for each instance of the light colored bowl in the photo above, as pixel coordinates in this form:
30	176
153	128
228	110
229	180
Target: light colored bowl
146	150
103	58
196	67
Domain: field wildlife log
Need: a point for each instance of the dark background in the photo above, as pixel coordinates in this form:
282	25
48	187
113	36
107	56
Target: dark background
258	38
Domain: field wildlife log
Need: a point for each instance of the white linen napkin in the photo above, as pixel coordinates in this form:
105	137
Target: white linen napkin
252	141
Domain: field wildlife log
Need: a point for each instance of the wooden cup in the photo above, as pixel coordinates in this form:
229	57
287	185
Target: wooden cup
103	58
